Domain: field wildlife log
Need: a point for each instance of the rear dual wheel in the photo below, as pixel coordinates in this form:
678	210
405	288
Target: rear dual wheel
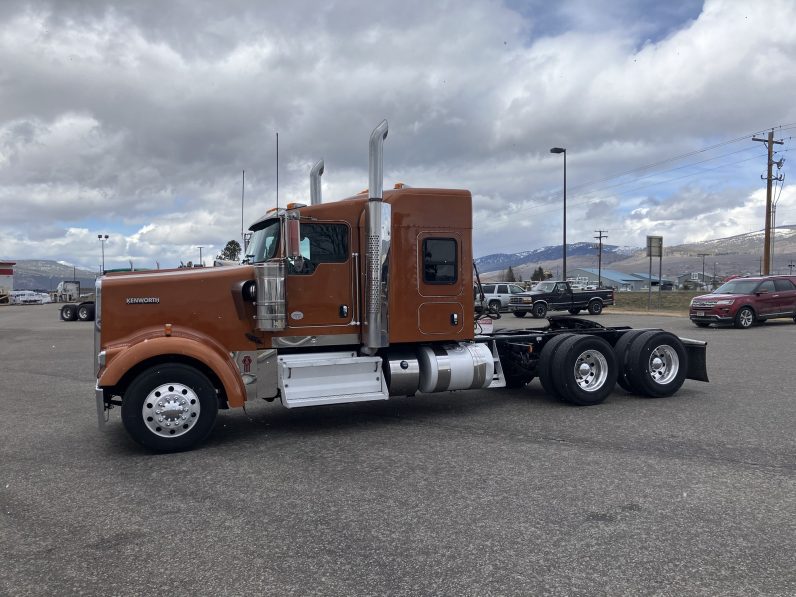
578	369
85	313
654	364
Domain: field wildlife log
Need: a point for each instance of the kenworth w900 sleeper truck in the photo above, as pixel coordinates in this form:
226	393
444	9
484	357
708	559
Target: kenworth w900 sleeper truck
360	299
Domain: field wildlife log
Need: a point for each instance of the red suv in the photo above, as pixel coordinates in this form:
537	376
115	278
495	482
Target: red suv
744	301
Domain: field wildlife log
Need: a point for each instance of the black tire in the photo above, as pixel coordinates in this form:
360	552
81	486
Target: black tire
595	307
546	360
85	312
68	313
701	324
744	318
574	311
584	370
191	400
494	305
520	314
657	364
539	310
621	351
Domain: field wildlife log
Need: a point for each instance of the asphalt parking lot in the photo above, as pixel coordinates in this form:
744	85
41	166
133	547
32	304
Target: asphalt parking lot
472	493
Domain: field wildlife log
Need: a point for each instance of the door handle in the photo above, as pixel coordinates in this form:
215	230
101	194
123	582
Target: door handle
454	319
343	310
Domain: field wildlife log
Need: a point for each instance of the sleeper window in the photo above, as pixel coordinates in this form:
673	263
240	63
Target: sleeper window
440	265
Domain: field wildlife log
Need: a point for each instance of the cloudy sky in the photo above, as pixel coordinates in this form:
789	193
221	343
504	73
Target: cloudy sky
136	119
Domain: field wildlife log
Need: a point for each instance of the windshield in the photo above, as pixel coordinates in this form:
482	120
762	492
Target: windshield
264	243
737	287
545	286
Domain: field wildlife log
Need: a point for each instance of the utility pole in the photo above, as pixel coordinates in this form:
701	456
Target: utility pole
600	236
703	255
768	178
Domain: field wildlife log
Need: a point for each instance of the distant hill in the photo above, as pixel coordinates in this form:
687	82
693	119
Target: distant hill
40	274
502	261
740	254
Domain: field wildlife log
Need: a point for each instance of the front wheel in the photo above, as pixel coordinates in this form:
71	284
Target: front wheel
68	313
494	306
169	408
595	307
744	318
539	310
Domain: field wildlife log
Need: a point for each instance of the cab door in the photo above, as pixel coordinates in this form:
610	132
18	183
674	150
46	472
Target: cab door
319	284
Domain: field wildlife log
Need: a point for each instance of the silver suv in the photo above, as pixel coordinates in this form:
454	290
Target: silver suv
497	296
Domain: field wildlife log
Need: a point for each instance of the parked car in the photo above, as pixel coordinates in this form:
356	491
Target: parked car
497	296
745	301
559	296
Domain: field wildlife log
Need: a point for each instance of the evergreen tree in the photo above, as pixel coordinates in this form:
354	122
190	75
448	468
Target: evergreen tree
231	252
538	274
510	275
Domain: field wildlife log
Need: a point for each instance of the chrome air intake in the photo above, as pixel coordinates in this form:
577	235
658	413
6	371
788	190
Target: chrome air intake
315	183
379	219
270	280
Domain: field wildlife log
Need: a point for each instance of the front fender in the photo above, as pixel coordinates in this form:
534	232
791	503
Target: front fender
127	357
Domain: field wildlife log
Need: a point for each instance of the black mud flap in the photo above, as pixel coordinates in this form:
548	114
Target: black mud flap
697	359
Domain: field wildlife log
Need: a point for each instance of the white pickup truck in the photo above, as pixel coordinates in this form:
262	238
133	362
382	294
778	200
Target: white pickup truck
497	296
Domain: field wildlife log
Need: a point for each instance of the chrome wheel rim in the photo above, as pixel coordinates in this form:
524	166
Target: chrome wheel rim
171	410
663	364
746	318
591	370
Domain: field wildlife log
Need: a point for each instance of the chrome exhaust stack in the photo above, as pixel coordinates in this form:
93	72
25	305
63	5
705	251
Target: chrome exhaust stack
315	183
379	220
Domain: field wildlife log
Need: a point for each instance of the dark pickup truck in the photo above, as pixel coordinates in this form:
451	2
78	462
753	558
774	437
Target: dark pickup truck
559	296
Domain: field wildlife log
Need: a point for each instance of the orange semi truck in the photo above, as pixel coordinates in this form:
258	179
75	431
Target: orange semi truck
360	299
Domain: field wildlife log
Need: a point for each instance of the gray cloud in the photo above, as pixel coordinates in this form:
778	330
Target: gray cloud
137	118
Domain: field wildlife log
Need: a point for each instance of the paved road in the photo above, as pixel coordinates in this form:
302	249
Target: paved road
480	493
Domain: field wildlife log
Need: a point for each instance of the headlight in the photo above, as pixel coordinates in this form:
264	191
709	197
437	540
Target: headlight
692	303
725	302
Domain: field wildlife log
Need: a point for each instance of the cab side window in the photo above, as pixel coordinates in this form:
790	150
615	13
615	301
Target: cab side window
440	264
320	243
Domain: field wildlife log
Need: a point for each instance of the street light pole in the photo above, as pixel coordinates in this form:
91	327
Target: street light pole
564	151
102	238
